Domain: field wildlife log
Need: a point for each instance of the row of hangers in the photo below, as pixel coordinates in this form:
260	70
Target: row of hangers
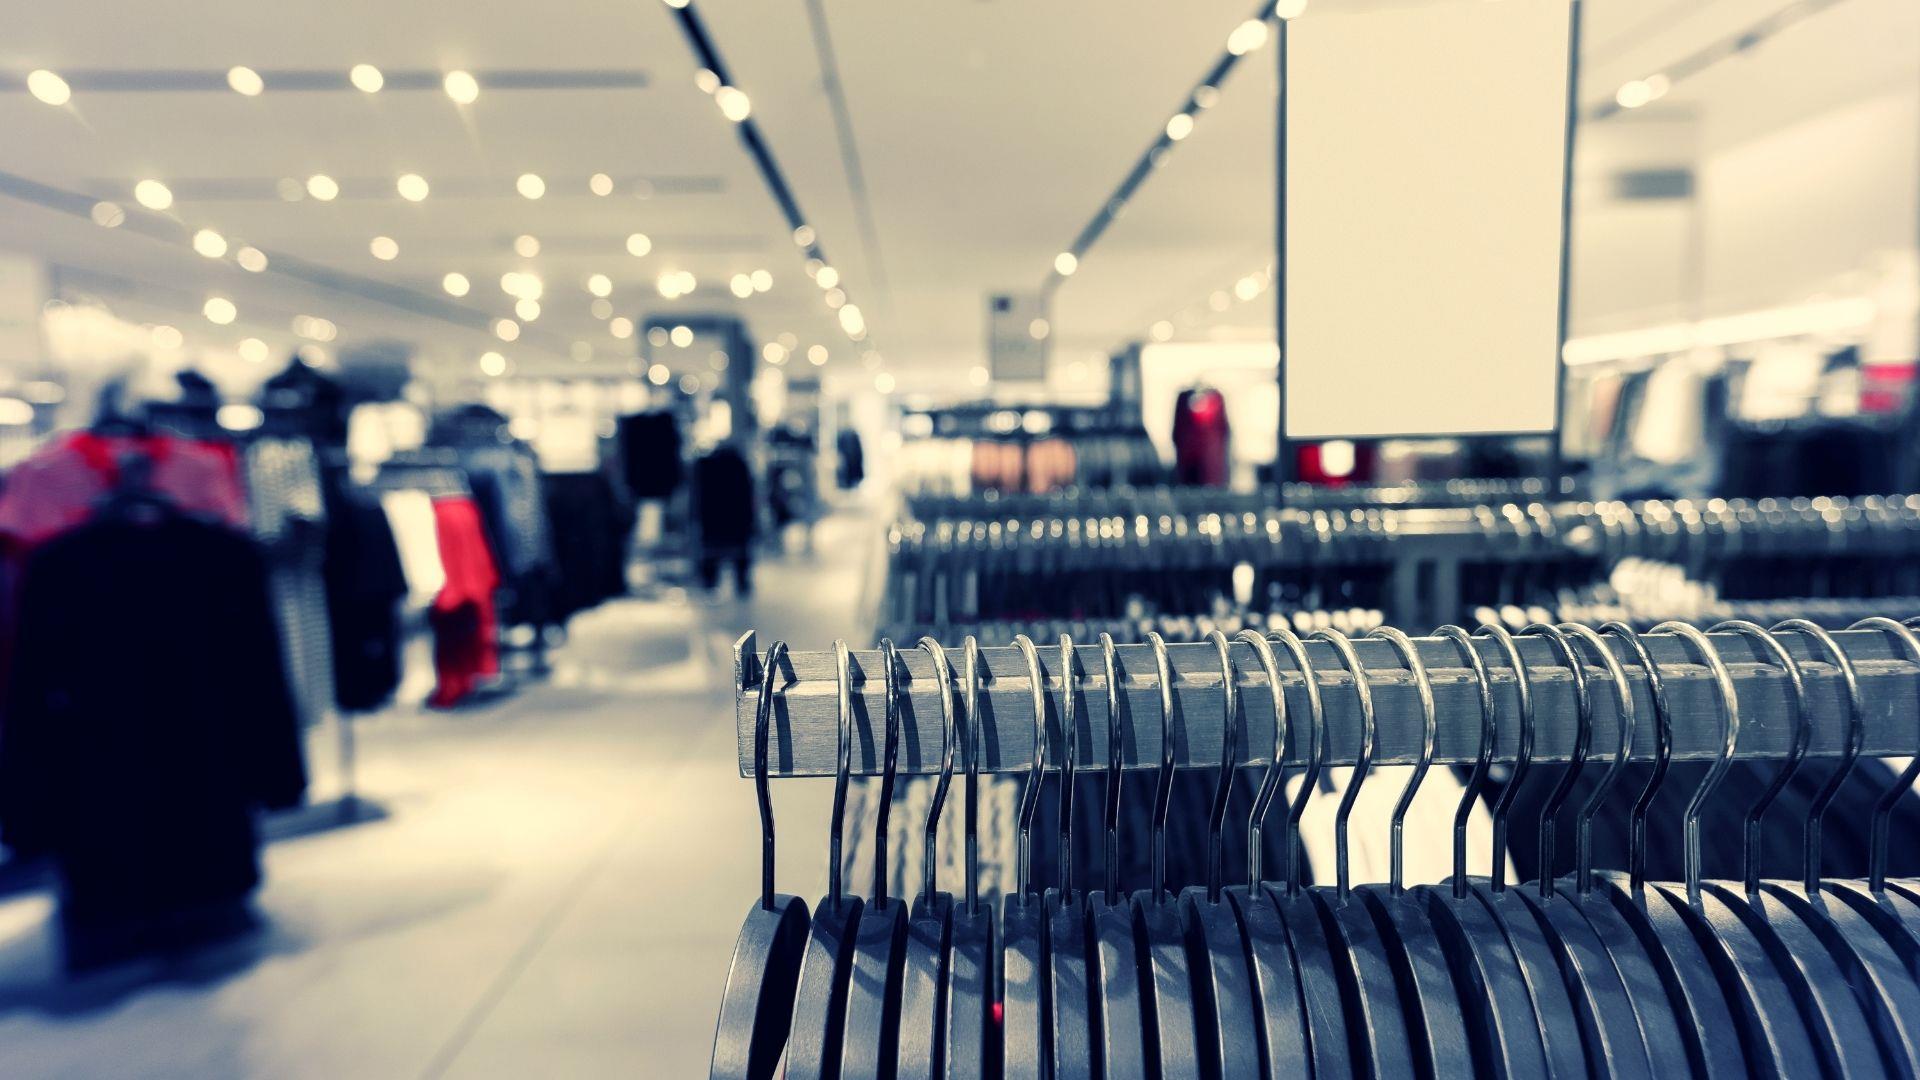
1597	973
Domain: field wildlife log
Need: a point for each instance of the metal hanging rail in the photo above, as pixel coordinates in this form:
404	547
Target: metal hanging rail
805	716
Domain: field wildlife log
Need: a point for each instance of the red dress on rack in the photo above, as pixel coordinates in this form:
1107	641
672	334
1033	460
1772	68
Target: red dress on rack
466	647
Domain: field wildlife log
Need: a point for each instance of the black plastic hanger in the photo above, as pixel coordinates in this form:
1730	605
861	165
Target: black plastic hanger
1712	1042
871	1040
923	973
1023	962
1127	1050
1560	1031
1835	1019
1774	1036
1319	980
1501	1026
1217	955
756	1008
1436	1019
971	1049
1075	1018
1375	1019
1882	985
820	1001
1646	994
1607	1018
1281	1023
1174	1025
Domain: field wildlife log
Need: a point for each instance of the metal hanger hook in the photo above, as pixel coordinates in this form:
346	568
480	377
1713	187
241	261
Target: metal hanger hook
943	671
1662	756
1316	749
1429	730
889	765
1477	779
1070	739
1276	766
1730	738
1582	742
1796	749
1627	718
970	701
843	768
1030	798
1363	763
1116	765
1523	755
1856	709
762	722
1163	783
1223	782
1883	809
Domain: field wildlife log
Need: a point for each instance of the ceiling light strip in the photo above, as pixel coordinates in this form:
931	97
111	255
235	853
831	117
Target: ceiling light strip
1694	63
1192	107
708	54
849	152
118	81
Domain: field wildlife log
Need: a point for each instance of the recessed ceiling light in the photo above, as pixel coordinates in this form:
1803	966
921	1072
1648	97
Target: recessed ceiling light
456	284
245	81
639	244
462	87
600	285
835	298
1065	264
289	189
253	350
384	248
817	355
530	186
412	187
1179	127
153	194
657	337
1289	9
209	243
883	382
48	87
742	285
979	376
366	78
773	353
762	281
827	277
322	187
601	308
706	81
219	310
1161	331
853	322
600	184
1247	37
251	259
658	374
167	337
492	364
733	103
526	246
787	340
506	329
108	215
681	336
528	309
621	327
1038	329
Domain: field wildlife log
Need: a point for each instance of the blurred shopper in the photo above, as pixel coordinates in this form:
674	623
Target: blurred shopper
728	517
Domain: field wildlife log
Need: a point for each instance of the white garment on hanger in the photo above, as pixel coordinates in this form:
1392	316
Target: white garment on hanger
410	515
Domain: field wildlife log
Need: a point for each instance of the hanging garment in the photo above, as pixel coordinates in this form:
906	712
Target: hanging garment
301	400
506	487
364	586
1201	440
466	646
57	488
853	459
148	717
650	450
410	518
289	518
590	535
724	506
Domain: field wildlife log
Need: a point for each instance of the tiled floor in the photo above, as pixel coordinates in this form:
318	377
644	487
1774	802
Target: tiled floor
555	891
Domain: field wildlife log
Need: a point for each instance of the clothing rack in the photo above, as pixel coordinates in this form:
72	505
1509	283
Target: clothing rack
1181	500
806	711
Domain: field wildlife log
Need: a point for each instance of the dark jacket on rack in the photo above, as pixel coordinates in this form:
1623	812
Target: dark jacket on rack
650	454
365	585
148	715
724	500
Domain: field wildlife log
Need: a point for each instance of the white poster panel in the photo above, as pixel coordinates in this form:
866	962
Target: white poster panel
1424	165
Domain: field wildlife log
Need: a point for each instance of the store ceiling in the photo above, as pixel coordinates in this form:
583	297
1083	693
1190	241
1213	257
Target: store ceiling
984	136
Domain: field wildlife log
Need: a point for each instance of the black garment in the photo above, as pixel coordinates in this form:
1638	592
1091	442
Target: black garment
853	459
148	717
365	585
590	531
650	454
300	400
724	500
742	572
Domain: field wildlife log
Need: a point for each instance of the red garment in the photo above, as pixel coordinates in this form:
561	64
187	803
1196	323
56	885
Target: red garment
466	646
1200	439
57	488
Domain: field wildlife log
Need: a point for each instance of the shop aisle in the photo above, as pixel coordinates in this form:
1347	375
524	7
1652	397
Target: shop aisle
555	891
